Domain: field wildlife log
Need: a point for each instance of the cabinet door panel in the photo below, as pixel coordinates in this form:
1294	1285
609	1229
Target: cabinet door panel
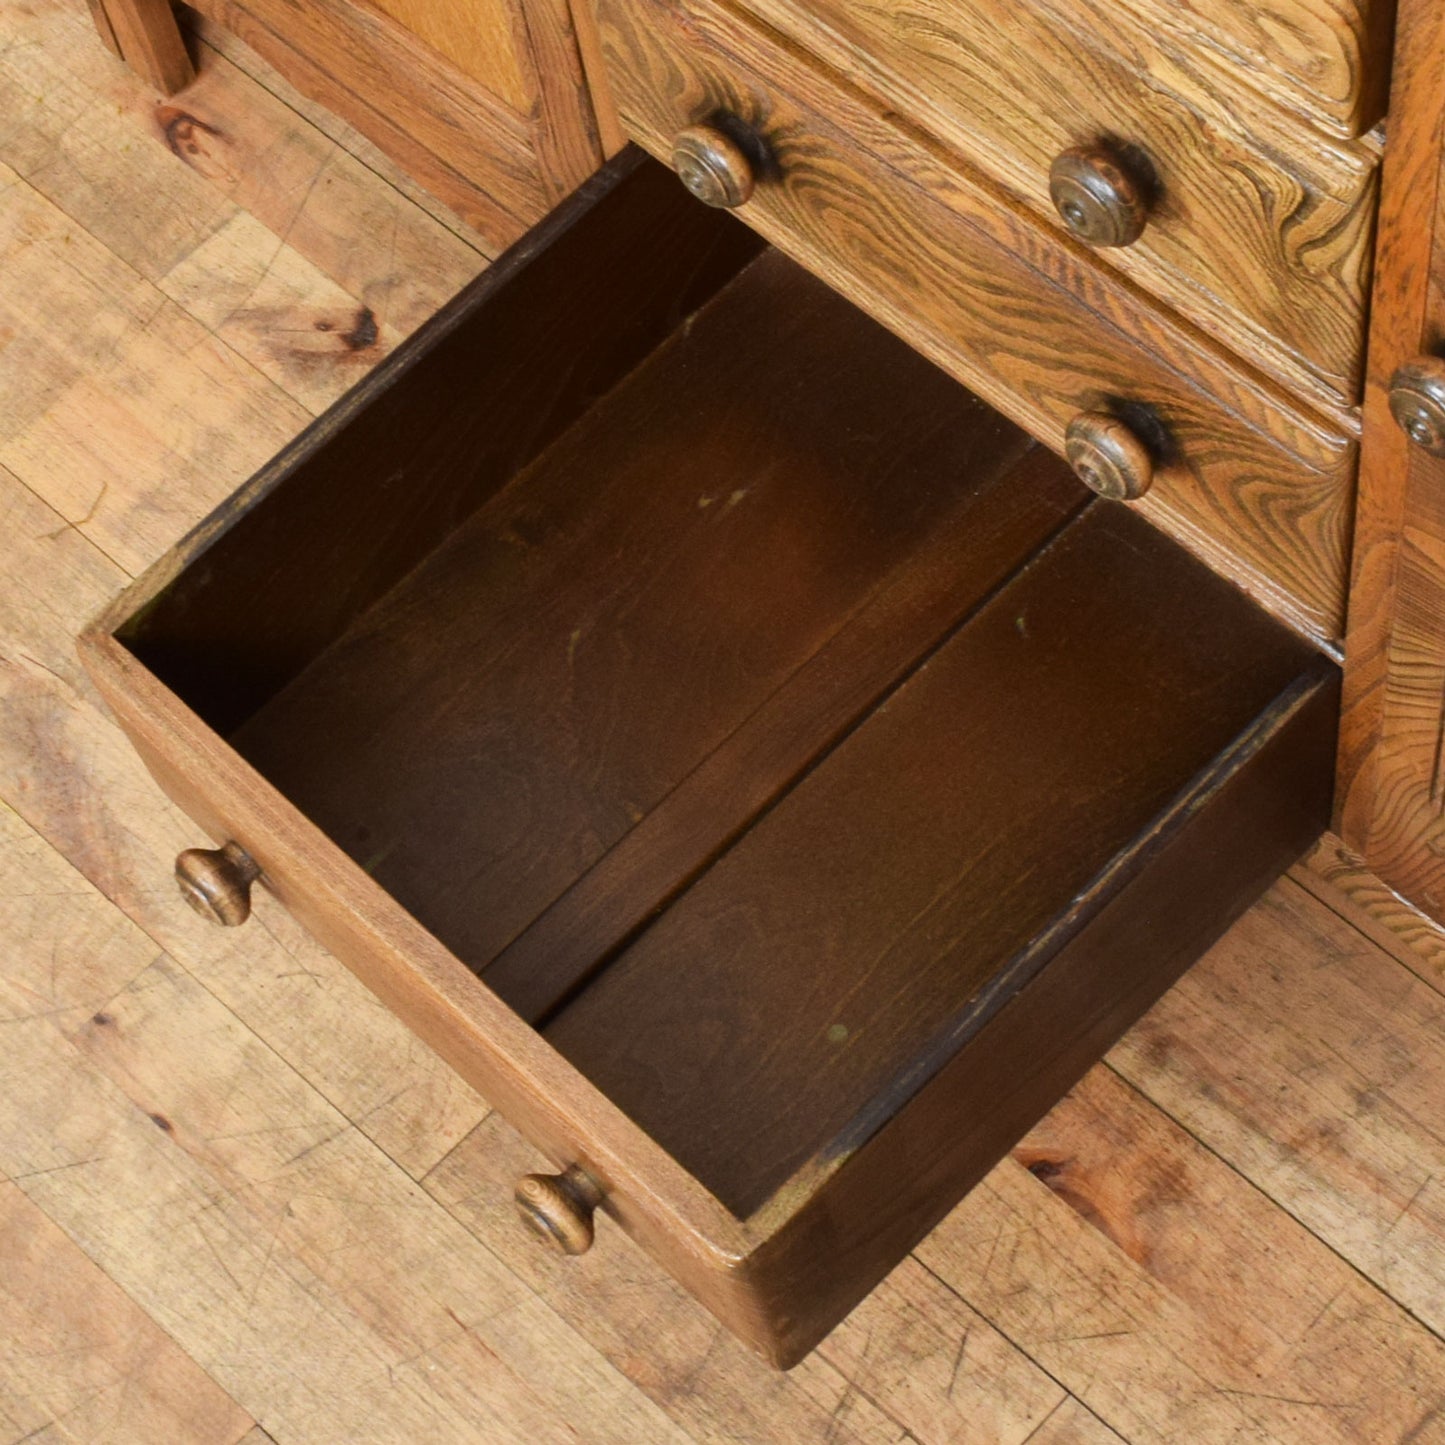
1390	791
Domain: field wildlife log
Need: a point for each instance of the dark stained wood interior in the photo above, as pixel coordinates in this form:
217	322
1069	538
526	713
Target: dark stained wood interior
518	704
886	901
438	428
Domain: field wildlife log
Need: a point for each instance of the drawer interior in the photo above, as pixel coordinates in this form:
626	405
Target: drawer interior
746	703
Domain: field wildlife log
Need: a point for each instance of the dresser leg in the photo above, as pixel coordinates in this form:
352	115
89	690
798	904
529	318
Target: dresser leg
144	33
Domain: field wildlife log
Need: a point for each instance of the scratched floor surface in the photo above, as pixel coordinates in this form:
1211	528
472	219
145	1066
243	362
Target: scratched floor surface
239	1203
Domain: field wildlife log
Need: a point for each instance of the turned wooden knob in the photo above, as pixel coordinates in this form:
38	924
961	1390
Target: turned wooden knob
1108	457
216	882
713	166
1102	199
1417	402
558	1207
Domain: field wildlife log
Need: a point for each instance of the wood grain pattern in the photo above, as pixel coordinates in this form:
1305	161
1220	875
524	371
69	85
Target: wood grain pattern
1334	1121
1082	1245
85	791
1256	483
689	623
145	35
113	376
1390	740
83	1362
1327	60
915	1361
1339	878
1260	232
937	1369
779	1281
963	559
102	388
227	1182
498	166
487	40
233	165
877	909
536	360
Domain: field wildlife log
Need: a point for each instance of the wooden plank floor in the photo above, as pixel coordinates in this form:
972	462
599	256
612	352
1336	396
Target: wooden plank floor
239	1203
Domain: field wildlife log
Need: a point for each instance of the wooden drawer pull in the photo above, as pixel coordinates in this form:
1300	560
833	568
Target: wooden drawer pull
216	882
1108	457
1417	402
558	1208
1103	199
713	166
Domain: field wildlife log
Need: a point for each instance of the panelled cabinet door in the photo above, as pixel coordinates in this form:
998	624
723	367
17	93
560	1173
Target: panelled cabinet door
485	102
1391	796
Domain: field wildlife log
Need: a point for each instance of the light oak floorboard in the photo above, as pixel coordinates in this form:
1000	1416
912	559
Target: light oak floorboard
318	1285
80	1362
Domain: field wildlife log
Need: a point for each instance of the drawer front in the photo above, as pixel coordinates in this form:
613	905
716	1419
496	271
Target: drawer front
1258	230
1257	484
1018	762
1326	60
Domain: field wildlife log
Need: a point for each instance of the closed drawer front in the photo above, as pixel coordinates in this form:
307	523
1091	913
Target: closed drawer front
1242	473
1256	227
1326	60
754	763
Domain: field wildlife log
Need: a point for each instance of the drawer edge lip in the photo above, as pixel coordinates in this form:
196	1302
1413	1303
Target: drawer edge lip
318	432
607	1141
1316	679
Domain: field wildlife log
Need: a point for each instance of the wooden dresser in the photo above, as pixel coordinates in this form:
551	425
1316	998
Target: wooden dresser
637	679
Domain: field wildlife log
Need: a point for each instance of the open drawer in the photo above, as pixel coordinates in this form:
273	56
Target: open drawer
751	761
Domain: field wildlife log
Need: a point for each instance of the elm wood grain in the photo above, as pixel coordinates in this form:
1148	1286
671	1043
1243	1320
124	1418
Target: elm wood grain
529	694
1336	875
1389	792
589	44
951	573
1257	229
145	35
485	38
1326	60
881	906
498	165
281	91
380	480
1251	480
